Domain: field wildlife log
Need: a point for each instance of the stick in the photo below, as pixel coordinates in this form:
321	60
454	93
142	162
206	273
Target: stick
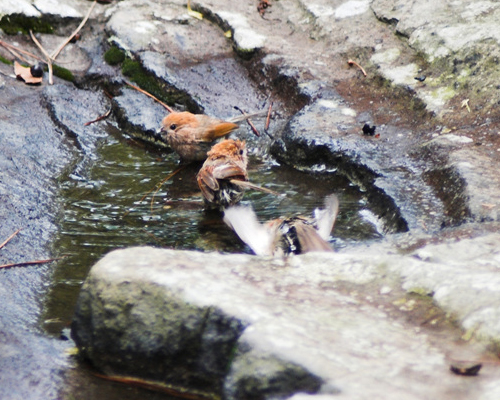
150	95
158	185
163	181
101	117
9	238
49	59
63	44
16	49
254	129
17	55
351	62
129	380
268	118
23	264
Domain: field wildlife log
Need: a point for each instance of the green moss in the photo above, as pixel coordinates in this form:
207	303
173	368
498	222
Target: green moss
114	56
5	61
131	68
12	24
420	291
63	73
134	70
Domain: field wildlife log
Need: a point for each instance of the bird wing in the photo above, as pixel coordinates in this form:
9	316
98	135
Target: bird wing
226	170
309	238
218	130
244	222
207	183
325	218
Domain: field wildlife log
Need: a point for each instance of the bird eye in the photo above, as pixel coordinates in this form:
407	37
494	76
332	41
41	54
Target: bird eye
173	126
241	152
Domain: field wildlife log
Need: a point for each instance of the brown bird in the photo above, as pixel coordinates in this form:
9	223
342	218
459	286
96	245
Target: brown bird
284	235
192	135
224	173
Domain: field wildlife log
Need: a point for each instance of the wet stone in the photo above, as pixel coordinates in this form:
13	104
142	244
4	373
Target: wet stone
272	326
327	136
72	108
139	116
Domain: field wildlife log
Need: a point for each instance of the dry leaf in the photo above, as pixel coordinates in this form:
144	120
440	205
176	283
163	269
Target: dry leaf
24	73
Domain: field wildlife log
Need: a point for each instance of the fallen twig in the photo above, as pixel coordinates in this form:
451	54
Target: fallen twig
63	44
254	129
249	185
25	263
101	117
351	62
157	187
151	385
268	118
9	238
14	50
16	54
168	108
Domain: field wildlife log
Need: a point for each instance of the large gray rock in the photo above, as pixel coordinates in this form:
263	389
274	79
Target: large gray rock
239	325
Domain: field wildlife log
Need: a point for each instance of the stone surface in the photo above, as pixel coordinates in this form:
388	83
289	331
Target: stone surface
136	119
294	316
30	363
318	138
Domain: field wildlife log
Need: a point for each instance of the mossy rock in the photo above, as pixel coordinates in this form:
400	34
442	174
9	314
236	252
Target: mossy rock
12	24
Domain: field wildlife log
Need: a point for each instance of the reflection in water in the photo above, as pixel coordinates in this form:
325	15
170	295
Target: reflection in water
103	211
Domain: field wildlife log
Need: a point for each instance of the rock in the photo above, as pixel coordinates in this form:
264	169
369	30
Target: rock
277	327
33	153
261	376
71	108
22	7
322	137
181	342
247	41
139	115
53	7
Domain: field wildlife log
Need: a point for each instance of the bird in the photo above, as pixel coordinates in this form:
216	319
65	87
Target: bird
285	235
221	176
192	135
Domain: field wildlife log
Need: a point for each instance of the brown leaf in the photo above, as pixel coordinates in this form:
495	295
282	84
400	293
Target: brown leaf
24	73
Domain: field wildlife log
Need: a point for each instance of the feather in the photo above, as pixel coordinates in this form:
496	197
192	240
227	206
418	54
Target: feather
325	218
249	185
228	170
309	239
244	222
219	130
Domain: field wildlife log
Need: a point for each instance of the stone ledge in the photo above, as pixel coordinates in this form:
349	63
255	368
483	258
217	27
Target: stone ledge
222	324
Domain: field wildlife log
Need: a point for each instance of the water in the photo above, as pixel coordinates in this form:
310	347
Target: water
120	204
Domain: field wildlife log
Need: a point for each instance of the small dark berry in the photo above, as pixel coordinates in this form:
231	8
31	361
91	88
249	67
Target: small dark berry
37	71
